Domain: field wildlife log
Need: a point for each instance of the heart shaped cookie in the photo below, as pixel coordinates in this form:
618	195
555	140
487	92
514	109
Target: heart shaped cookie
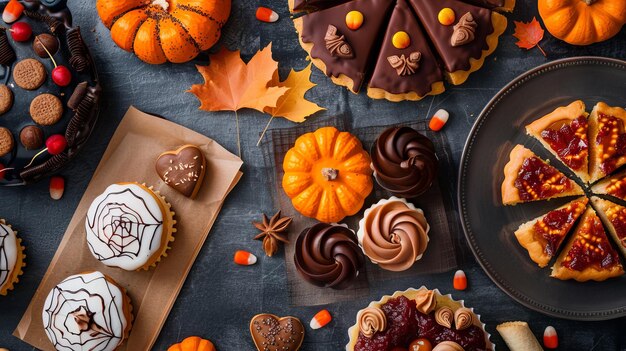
183	169
271	333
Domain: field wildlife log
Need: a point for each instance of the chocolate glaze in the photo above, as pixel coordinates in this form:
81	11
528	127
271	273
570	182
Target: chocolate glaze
362	40
315	5
328	255
454	58
404	162
490	4
385	76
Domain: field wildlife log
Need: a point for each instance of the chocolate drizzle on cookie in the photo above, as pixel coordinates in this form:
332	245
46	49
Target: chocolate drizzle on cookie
405	66
7	53
464	31
336	44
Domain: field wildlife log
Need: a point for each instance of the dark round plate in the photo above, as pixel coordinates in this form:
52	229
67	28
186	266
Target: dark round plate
489	226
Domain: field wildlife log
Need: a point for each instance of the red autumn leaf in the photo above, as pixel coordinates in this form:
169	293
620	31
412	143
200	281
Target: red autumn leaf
529	34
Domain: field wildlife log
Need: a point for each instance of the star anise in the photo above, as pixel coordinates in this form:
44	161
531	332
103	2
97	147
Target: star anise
273	231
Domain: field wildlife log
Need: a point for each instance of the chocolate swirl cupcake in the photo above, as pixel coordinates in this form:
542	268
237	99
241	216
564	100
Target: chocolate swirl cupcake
328	255
404	162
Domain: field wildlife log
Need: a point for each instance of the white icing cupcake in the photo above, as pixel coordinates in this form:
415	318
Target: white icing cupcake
11	257
129	226
87	311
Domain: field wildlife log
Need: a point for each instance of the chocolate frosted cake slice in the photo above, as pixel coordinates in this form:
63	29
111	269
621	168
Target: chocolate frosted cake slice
406	68
313	5
497	5
462	34
340	39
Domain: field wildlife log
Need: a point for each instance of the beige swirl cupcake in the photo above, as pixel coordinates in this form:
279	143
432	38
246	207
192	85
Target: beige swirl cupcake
435	315
393	234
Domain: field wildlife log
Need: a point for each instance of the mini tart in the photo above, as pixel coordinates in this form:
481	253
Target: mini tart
461	60
564	133
496	5
543	236
87	311
614	218
589	254
130	226
11	257
614	185
409	73
413	294
522	164
313	29
607	140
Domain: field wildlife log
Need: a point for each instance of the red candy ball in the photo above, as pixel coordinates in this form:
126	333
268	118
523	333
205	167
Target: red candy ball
61	76
21	31
56	144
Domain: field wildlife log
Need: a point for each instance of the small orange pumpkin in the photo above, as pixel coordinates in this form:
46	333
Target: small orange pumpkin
193	343
164	30
583	22
327	174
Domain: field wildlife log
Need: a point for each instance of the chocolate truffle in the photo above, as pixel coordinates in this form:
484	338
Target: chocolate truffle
6	141
48	41
31	137
404	162
328	255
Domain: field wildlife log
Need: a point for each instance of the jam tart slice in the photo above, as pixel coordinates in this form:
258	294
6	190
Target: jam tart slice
614	185
564	133
614	217
607	140
529	178
543	236
588	255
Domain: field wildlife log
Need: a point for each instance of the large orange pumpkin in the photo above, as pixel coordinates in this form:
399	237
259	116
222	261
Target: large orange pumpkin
164	30
193	343
583	22
327	174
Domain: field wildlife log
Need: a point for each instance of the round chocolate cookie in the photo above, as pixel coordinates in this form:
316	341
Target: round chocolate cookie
6	141
31	137
6	99
29	74
46	109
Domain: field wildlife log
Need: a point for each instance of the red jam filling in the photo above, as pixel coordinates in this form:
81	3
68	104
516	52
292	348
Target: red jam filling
617	188
591	248
553	226
569	141
538	180
611	141
617	216
405	323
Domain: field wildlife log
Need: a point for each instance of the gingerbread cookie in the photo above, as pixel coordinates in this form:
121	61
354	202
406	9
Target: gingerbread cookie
183	169
6	99
46	109
6	141
29	74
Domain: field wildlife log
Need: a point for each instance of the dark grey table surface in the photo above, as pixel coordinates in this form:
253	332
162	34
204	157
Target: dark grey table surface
218	298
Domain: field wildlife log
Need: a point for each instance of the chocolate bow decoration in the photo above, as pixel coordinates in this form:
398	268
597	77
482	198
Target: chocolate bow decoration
405	66
336	44
464	31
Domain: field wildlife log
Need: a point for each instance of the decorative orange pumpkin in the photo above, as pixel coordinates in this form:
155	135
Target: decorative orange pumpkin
327	174
164	30
583	22
193	343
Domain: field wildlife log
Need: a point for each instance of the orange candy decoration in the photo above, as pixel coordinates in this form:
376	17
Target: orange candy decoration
460	280
401	40
354	20
320	319
193	343
244	258
446	16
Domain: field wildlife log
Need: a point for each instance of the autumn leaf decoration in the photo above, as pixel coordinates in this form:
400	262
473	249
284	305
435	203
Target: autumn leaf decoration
230	85
529	35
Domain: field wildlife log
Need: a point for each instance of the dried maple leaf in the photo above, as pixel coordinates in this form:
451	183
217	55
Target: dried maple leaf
292	105
273	231
529	35
231	84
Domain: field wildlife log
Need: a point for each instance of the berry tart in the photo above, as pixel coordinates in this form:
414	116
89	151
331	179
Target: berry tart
49	93
417	319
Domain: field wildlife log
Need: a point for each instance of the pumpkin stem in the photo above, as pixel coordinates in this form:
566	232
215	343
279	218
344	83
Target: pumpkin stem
330	173
589	2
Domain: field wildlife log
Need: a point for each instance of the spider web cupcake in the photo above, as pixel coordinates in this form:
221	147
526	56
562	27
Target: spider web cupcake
11	257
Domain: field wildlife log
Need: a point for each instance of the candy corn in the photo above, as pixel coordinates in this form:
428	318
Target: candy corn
265	14
12	11
57	187
460	280
439	119
244	258
320	319
550	338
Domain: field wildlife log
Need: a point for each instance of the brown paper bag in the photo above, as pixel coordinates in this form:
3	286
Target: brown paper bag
130	156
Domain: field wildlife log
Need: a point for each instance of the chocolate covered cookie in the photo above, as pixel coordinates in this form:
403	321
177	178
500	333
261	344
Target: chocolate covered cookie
46	109
271	333
29	74
182	169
